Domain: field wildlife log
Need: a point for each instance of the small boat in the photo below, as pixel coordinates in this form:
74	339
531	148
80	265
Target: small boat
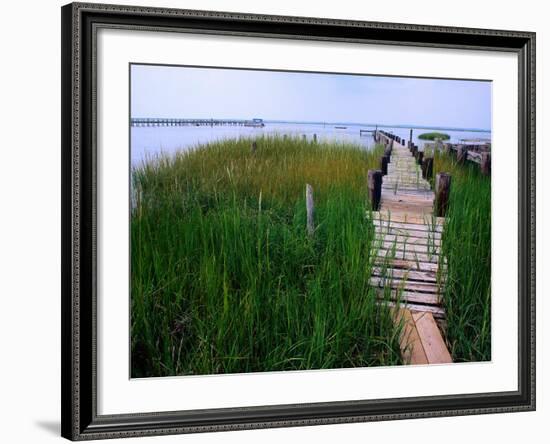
255	123
340	127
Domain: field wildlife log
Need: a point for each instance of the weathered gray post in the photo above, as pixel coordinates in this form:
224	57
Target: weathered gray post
410	138
486	163
315	138
461	154
419	157
442	192
310	210
414	150
253	147
437	144
374	183
384	160
427	168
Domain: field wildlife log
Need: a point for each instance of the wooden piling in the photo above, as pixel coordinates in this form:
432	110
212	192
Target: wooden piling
486	163
427	168
442	191
315	138
310	209
461	153
384	160
374	182
419	157
410	137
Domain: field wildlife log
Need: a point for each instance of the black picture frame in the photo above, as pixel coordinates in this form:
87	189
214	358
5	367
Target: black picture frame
79	395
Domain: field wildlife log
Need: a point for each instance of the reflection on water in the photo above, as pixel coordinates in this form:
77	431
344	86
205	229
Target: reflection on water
149	141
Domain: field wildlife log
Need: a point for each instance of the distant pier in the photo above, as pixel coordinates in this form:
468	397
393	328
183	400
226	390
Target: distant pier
154	121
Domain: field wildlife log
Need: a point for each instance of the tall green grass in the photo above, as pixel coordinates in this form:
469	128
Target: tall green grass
467	247
225	279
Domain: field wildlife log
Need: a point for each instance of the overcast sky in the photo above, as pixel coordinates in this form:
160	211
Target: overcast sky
163	91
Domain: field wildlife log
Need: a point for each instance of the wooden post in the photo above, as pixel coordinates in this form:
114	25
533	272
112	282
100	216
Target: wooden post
374	182
414	149
310	209
486	163
419	157
442	191
410	137
461	153
428	168
253	147
315	138
384	160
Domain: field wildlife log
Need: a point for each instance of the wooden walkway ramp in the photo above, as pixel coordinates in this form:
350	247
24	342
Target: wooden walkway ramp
408	265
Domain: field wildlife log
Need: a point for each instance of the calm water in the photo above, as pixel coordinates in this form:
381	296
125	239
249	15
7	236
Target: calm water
146	142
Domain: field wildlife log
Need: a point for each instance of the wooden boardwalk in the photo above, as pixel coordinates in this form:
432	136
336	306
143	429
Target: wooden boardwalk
410	270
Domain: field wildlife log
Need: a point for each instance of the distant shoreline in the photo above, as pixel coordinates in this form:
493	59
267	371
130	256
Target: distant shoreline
355	124
448	128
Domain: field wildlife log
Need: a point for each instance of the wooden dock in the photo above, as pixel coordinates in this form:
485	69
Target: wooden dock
410	270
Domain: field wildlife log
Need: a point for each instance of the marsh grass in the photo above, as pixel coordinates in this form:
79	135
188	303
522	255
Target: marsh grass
467	246
225	279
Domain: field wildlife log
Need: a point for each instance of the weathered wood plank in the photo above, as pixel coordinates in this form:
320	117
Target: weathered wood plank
409	192
430	336
412	248
405	264
437	312
398	187
423	276
383	230
407	255
409	240
410	344
402	217
424	198
407	207
407	297
438	227
426	292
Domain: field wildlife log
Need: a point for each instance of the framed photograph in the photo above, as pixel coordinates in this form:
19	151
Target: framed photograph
278	221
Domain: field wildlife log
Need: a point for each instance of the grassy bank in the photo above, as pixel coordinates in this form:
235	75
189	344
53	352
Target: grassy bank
224	277
434	135
467	245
